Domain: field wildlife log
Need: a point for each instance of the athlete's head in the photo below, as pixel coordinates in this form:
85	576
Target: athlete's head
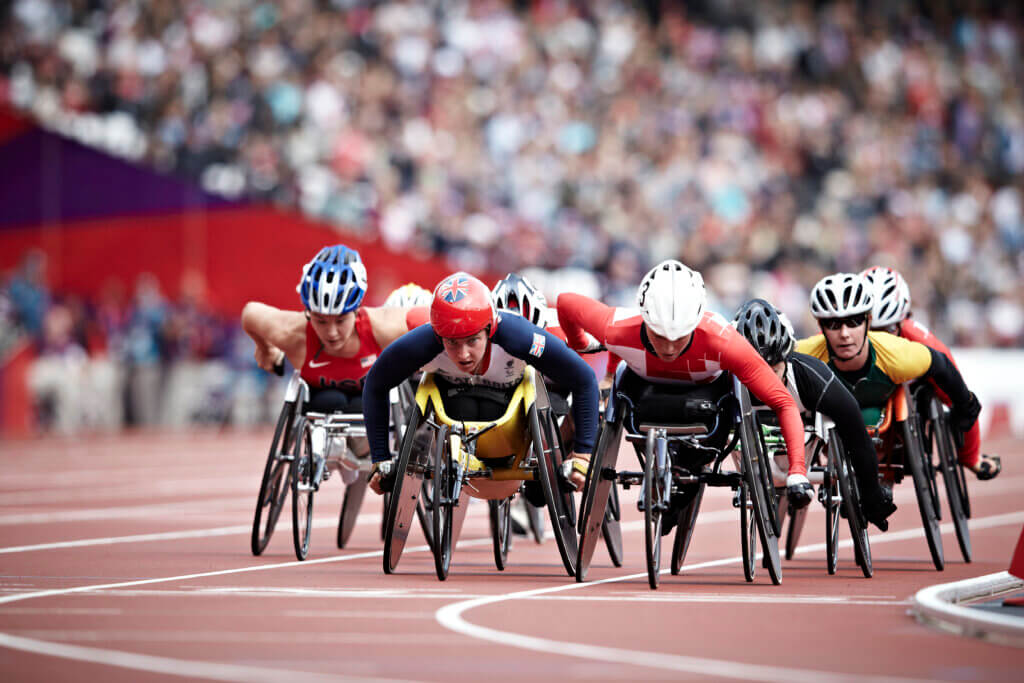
892	298
463	316
515	293
332	287
671	300
761	324
842	304
409	295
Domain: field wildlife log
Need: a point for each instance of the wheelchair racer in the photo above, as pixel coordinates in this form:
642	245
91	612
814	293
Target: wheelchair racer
333	341
478	358
872	365
671	340
816	389
891	313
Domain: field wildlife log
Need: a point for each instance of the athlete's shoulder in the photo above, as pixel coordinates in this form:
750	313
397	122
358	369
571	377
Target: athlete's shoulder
807	363
715	324
813	346
899	358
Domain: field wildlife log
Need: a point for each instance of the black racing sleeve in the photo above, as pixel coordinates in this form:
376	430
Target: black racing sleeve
820	390
557	362
949	379
396	363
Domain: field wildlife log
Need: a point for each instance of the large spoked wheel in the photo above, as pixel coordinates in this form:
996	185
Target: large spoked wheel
611	529
830	485
442	503
350	505
501	530
597	495
850	493
407	489
926	503
753	459
423	513
684	531
547	448
657	490
303	489
748	533
952	476
275	484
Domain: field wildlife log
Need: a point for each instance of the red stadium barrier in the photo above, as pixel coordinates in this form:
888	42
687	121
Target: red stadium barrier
15	403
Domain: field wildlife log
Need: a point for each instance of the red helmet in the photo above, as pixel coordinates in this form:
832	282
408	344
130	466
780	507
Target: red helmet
461	307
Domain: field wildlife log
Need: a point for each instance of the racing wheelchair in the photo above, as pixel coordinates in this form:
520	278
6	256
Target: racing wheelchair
828	467
679	454
303	453
448	461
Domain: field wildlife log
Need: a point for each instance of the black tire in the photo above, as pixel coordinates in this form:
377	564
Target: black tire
752	460
851	505
386	501
767	482
597	496
501	530
561	507
405	494
303	471
275	484
350	505
915	458
832	502
684	531
442	504
656	499
748	534
949	465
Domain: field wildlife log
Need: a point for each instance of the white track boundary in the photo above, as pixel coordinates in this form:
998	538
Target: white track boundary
450	616
941	606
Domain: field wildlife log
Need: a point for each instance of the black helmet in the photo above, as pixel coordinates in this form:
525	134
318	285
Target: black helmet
759	322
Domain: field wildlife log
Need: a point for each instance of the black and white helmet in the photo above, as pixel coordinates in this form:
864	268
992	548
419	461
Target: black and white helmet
671	299
515	293
892	297
841	295
763	327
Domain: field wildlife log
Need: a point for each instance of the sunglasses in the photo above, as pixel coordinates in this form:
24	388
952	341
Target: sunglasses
854	321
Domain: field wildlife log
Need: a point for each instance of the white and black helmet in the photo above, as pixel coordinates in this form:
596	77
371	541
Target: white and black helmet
764	328
671	299
841	295
892	297
515	293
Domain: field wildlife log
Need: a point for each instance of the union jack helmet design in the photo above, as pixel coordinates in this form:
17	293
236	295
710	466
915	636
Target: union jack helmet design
461	307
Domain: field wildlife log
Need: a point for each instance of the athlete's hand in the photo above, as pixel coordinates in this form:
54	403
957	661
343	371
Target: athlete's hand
269	356
382	478
580	465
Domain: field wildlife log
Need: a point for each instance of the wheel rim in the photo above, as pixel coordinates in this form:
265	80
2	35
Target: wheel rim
653	495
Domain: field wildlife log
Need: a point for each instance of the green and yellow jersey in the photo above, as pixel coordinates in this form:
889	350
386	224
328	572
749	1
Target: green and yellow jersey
892	361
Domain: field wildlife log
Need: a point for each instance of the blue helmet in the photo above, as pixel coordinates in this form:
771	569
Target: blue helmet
334	282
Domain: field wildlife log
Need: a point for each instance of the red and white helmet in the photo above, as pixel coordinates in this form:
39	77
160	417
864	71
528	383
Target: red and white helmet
461	307
842	295
892	297
671	298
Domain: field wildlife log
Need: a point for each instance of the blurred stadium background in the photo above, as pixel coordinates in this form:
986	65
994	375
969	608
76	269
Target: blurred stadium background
163	162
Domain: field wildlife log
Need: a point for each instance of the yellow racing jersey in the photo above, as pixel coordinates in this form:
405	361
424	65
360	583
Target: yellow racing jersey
891	361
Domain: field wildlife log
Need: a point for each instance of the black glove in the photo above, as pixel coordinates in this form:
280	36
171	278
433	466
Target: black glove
963	417
387	471
799	495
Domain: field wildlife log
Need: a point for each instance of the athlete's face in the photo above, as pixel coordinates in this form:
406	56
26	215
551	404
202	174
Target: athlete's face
667	349
333	330
846	336
467	352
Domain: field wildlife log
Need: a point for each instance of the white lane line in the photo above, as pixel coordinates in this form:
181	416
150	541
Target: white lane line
297	636
450	616
219	504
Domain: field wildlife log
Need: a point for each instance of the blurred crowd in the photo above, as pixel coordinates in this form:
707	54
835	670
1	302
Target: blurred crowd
764	143
129	359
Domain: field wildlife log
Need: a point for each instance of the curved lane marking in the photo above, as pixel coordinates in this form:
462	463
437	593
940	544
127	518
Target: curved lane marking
450	616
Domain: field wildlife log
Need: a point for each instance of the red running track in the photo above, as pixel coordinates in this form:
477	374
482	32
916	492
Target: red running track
127	559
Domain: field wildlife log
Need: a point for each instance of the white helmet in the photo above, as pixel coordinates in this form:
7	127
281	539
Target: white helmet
841	295
671	299
516	293
892	297
408	295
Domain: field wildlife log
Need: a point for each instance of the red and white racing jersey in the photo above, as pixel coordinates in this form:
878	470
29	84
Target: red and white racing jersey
714	348
323	371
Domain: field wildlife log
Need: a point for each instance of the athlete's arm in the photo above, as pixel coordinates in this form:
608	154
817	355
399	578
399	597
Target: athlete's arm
557	362
965	407
740	358
578	315
275	331
396	363
389	323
